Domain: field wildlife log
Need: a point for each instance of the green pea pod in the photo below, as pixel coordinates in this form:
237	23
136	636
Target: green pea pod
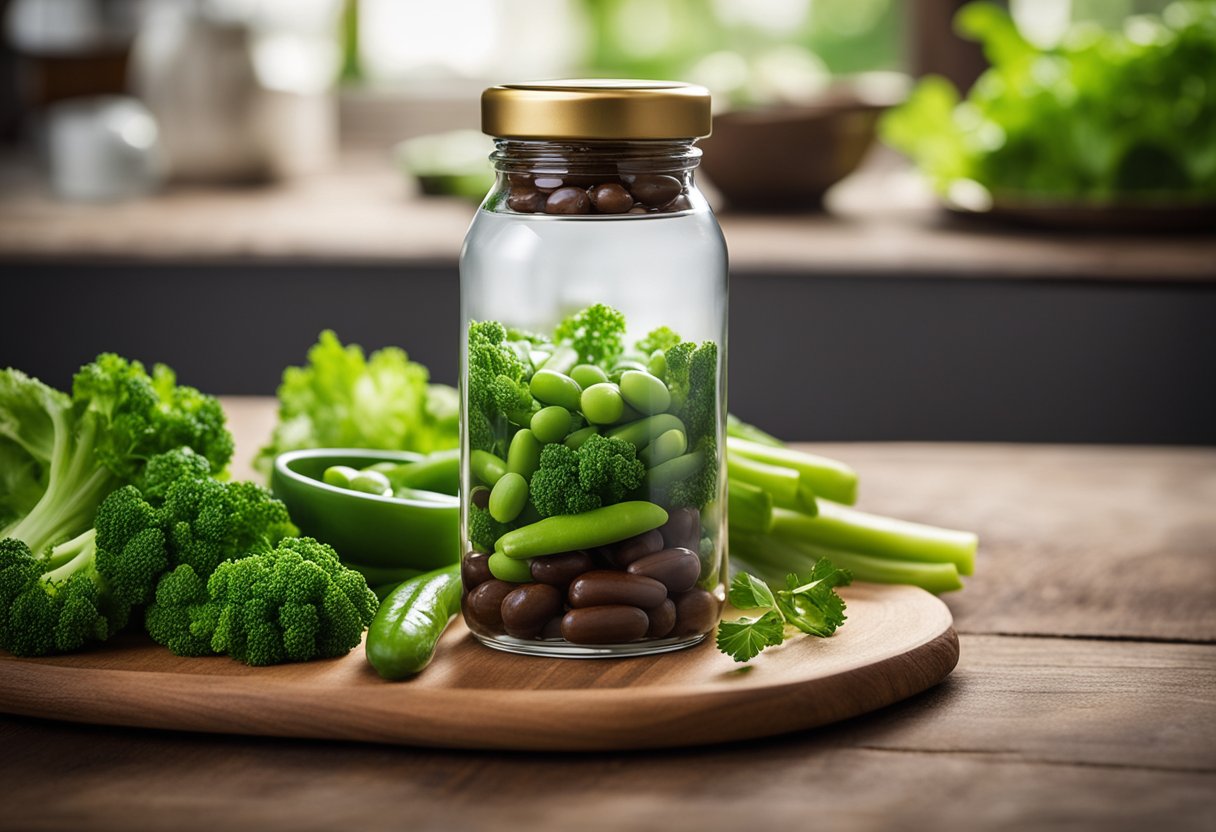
568	532
402	637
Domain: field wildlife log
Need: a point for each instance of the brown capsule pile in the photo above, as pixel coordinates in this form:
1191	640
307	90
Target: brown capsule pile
643	587
563	193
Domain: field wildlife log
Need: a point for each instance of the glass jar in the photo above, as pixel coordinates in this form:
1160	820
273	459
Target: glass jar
593	308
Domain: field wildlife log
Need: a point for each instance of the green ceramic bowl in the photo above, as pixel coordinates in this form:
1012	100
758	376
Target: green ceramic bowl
366	528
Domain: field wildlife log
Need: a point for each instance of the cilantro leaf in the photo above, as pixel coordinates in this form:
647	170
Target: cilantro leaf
748	593
743	640
811	604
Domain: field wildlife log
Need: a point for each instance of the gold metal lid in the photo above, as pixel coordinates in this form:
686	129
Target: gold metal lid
596	109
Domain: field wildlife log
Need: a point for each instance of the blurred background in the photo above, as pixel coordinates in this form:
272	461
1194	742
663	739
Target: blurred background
947	221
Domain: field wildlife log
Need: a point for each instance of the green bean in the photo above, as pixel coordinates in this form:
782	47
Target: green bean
673	470
406	628
439	471
523	457
644	392
644	431
387	468
551	424
587	375
556	388
510	570
576	439
602	403
508	497
568	532
666	446
486	467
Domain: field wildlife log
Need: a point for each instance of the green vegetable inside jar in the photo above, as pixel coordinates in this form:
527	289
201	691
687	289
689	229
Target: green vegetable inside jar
593	301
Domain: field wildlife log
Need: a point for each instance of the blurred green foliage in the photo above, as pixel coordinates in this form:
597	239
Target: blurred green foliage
1103	116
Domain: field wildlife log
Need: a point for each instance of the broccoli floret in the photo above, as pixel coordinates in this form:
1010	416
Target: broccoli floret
165	469
484	530
692	378
602	471
497	374
596	332
58	603
131	550
294	603
74	451
662	338
207	522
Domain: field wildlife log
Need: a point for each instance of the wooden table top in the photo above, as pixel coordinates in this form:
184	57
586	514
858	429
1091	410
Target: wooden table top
1084	696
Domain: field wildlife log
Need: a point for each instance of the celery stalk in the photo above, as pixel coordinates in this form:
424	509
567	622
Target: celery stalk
826	477
782	483
750	507
841	527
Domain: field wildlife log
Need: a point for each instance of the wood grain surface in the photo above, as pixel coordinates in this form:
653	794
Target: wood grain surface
1101	717
897	643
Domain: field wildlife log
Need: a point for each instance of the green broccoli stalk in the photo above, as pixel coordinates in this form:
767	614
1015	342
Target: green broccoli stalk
73	451
596	333
294	603
602	471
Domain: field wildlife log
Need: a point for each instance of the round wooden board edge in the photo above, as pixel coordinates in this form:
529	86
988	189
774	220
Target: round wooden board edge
671	721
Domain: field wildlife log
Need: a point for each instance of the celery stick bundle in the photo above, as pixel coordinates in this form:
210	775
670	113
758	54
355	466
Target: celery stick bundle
788	509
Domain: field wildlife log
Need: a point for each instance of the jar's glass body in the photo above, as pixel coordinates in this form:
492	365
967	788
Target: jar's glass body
618	547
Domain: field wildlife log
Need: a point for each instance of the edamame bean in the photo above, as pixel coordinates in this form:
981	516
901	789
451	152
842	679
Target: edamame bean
602	403
339	476
539	357
644	431
370	482
568	532
387	468
554	388
625	366
508	497
666	446
486	467
551	424
523	457
509	569
587	375
644	392
657	365
576	439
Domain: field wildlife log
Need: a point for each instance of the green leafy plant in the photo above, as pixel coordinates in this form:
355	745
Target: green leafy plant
808	604
1104	116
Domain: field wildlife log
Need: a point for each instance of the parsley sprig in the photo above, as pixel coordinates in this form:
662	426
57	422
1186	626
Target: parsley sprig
808	604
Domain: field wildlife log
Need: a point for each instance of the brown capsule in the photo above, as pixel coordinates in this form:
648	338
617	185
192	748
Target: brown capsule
552	628
676	569
475	570
655	189
610	199
548	182
604	625
568	201
682	529
526	200
480	497
639	209
523	180
605	586
560	570
633	548
680	203
696	612
485	602
662	619
526	609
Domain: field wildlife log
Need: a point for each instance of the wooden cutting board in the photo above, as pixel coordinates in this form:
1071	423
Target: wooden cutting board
898	641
